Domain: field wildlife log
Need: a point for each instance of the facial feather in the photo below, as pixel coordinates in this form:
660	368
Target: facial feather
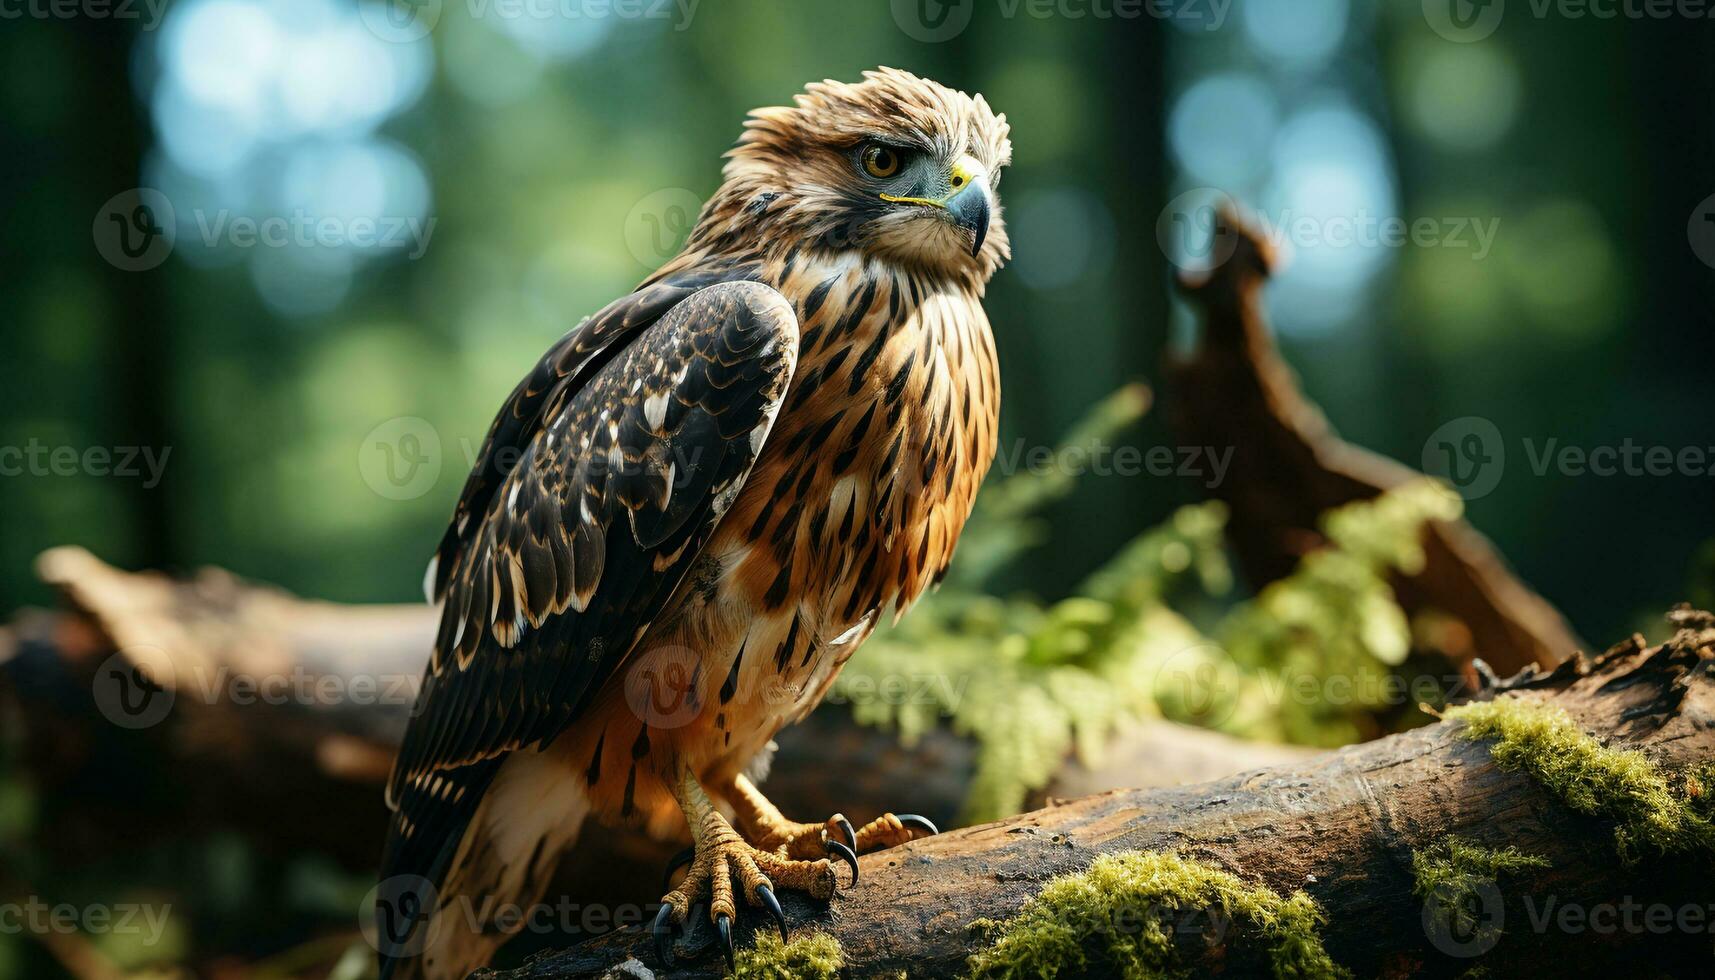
793	171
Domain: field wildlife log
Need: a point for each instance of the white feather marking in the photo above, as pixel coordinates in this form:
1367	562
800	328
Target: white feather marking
429	579
856	629
655	409
512	498
725	495
840	497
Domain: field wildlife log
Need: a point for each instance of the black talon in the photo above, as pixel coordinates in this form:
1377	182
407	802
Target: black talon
772	904
851	835
919	823
723	925
663	936
845	854
676	862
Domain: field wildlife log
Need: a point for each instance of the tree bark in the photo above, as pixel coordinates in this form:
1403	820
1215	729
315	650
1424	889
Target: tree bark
1289	467
1342	827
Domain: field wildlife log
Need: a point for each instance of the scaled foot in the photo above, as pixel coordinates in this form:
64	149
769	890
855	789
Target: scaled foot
724	869
769	830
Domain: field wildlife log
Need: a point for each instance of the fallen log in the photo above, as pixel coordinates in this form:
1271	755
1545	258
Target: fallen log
1346	828
1289	467
289	711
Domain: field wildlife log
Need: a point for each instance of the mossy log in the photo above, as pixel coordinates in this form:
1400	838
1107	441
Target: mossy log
1346	829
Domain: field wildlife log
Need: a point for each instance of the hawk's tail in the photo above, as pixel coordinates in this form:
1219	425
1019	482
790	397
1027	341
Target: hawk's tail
429	822
486	851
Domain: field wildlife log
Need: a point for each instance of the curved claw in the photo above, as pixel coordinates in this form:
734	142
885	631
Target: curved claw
662	931
676	862
772	904
846	854
916	822
846	828
723	925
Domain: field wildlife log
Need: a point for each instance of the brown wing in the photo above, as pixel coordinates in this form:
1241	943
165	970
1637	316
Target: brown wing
601	481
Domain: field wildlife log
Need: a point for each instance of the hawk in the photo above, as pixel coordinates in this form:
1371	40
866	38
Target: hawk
692	511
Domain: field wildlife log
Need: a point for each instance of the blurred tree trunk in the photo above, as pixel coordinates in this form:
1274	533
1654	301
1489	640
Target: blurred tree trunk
1289	468
140	370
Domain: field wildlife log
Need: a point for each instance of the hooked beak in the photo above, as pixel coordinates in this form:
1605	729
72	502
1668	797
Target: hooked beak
969	203
969	209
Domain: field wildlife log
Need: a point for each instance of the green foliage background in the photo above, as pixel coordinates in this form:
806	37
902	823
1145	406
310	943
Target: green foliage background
1034	682
1588	323
1075	602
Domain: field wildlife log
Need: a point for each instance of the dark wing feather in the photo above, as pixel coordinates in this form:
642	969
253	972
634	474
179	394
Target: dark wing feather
627	454
561	373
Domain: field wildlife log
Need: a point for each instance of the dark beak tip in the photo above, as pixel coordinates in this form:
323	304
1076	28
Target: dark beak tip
979	233
971	209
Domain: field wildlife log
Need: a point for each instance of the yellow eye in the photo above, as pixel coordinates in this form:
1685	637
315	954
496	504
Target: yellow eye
880	161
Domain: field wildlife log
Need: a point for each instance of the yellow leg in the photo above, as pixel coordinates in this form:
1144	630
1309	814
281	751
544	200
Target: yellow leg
720	853
768	828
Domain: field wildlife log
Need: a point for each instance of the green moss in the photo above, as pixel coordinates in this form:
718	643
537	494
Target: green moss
1449	873
809	956
1033	683
1700	790
1119	919
1621	785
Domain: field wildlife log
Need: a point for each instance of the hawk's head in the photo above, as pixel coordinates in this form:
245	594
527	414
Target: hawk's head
895	166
